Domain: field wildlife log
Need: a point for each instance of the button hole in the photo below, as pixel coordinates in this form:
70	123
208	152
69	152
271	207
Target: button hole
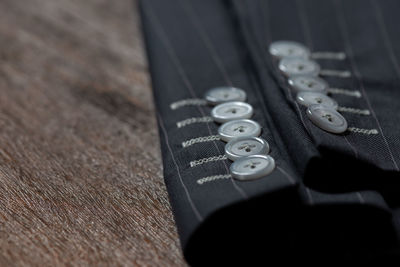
328	117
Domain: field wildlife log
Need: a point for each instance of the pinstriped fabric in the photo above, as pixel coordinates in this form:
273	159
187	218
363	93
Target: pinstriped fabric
189	86
189	198
365	140
342	25
177	100
195	45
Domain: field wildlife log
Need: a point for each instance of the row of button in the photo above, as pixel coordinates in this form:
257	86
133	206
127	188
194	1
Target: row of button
244	147
311	90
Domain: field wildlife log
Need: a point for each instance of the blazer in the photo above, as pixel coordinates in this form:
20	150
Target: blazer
331	193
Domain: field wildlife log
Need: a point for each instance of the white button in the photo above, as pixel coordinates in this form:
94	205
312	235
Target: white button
246	146
310	98
327	118
298	66
238	128
231	111
309	84
281	49
223	94
252	167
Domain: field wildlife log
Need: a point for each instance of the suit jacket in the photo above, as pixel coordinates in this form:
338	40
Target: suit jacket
331	197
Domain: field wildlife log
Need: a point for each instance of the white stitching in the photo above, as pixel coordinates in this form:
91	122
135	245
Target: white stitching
392	56
216	59
342	91
186	81
363	131
345	36
169	49
189	121
365	112
267	37
189	198
336	73
309	193
188	102
191	14
200	140
213	178
329	55
195	163
289	94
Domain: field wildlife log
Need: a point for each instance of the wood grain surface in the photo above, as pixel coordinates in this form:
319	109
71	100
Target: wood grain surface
80	168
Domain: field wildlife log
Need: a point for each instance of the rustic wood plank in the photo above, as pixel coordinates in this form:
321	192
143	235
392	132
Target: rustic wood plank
80	168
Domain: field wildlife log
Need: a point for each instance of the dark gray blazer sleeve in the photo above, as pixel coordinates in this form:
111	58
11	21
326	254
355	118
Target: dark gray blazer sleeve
328	193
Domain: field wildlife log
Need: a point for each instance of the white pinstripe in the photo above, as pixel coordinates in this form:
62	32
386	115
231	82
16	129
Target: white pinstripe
345	138
214	55
304	23
343	28
188	85
189	198
385	35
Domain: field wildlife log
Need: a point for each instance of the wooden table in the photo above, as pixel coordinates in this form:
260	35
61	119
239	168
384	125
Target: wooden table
80	168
